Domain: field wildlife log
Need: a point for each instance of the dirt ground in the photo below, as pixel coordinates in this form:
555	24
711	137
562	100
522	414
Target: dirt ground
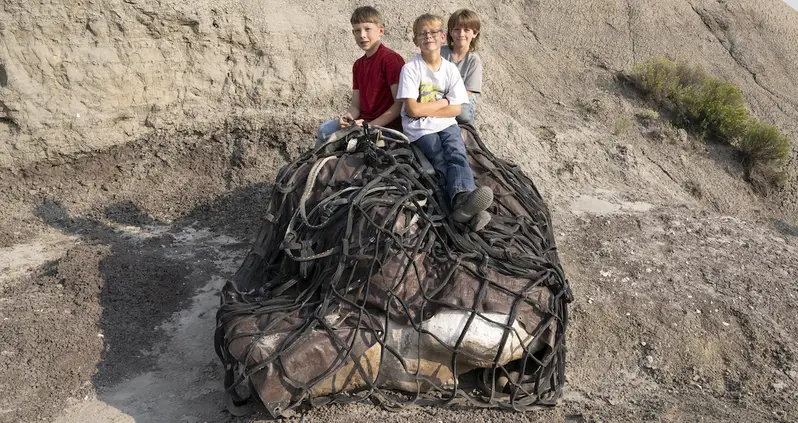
109	290
139	141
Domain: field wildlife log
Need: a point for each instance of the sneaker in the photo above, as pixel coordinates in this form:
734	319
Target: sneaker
479	221
466	205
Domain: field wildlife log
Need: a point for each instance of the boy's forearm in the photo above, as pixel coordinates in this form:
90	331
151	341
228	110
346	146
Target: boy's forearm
354	111
354	105
389	116
416	109
447	112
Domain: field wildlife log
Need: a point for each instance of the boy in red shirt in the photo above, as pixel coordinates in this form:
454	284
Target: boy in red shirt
375	78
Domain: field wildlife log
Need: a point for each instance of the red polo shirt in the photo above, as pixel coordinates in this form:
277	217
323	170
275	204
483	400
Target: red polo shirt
373	77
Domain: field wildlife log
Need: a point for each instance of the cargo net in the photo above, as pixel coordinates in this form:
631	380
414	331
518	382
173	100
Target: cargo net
359	285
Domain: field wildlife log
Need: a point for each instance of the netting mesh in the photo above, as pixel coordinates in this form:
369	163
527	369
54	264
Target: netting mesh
359	286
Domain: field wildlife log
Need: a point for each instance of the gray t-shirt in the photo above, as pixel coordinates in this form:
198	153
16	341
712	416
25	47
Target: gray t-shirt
470	68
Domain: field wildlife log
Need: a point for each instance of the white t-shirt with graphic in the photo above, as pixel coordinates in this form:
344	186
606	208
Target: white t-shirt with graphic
418	81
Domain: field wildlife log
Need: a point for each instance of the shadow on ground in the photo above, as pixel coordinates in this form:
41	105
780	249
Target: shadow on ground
134	310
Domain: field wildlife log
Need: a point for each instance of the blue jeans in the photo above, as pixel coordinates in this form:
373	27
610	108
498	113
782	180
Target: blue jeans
447	153
467	111
325	130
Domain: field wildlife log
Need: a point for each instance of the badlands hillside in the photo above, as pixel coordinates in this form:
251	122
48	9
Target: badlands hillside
139	139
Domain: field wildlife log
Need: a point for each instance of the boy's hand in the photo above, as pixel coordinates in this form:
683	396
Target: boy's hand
345	121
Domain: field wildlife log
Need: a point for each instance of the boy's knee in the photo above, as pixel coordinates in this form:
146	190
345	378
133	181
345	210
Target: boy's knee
466	114
462	119
325	130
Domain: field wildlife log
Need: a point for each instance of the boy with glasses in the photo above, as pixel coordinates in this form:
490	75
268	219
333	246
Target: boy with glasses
432	93
375	77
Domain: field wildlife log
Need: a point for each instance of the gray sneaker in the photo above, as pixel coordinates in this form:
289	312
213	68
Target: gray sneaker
479	221
466	205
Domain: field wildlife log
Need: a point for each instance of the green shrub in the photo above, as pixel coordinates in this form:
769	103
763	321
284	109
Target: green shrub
714	108
701	102
664	79
763	143
659	78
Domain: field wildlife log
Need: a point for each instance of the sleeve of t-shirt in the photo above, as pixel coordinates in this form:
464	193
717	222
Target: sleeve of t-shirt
456	92
408	83
473	76
393	68
355	83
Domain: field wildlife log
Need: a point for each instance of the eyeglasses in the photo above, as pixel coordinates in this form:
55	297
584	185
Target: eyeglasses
425	35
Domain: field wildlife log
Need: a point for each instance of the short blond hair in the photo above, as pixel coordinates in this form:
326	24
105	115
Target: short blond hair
464	18
427	17
366	14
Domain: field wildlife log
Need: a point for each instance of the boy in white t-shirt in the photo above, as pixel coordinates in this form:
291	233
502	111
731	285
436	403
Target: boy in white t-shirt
432	93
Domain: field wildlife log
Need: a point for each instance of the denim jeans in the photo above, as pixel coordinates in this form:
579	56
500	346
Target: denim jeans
325	130
447	153
467	111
